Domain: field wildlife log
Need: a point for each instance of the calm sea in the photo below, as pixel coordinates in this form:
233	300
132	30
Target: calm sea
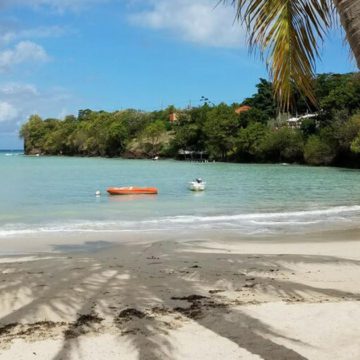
57	194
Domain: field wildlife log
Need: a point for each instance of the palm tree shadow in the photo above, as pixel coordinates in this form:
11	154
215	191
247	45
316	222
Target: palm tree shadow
98	292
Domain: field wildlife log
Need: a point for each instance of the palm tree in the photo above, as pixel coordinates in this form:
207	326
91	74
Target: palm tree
349	12
288	34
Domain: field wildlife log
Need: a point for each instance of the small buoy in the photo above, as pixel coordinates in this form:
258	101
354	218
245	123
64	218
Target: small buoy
98	193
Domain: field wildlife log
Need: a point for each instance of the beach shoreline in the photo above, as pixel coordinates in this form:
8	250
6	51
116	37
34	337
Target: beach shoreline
176	296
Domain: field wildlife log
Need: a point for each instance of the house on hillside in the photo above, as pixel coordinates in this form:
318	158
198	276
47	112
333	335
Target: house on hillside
242	109
295	122
173	117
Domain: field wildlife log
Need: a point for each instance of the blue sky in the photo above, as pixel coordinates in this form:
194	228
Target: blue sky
59	56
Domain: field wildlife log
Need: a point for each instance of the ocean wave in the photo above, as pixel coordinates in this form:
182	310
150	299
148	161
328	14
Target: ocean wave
257	216
11	154
253	223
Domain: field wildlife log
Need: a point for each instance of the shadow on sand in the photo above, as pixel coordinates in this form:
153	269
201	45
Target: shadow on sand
144	292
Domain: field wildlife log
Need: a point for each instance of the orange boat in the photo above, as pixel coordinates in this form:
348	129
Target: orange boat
132	190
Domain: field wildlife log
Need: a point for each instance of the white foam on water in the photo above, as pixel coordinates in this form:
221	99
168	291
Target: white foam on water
12	154
255	223
257	216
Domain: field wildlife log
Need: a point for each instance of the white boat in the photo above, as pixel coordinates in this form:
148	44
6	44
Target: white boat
197	185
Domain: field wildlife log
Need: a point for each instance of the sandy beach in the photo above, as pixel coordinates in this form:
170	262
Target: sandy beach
160	297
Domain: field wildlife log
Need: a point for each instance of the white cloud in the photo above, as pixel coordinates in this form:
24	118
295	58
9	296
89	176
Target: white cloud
197	21
58	5
7	36
24	51
20	100
7	112
17	89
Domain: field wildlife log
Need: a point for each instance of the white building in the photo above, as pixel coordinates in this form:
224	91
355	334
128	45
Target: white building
295	122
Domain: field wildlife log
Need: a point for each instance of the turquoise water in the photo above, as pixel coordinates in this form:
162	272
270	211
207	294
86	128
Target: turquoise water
57	194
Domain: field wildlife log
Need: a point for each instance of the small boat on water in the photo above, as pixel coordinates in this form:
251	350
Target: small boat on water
197	185
132	190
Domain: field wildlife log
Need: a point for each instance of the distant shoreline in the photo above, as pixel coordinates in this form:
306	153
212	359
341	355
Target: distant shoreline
187	160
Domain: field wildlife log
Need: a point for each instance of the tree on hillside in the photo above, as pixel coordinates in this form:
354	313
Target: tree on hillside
283	145
355	145
151	137
288	34
318	152
220	129
343	93
249	140
189	134
263	99
33	134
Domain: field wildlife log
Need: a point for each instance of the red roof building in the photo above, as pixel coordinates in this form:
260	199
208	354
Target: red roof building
242	109
173	117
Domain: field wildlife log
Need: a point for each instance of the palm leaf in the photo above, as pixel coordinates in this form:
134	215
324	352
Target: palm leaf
349	12
288	34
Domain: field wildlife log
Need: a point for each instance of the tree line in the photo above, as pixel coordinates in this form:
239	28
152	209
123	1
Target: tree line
220	132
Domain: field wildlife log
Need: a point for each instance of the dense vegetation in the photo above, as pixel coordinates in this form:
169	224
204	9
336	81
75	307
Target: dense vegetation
217	132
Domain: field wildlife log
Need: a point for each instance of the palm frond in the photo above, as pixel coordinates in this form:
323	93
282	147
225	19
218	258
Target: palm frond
288	34
349	12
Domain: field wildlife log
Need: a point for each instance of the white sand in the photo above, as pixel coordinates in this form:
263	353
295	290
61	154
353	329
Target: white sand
290	298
